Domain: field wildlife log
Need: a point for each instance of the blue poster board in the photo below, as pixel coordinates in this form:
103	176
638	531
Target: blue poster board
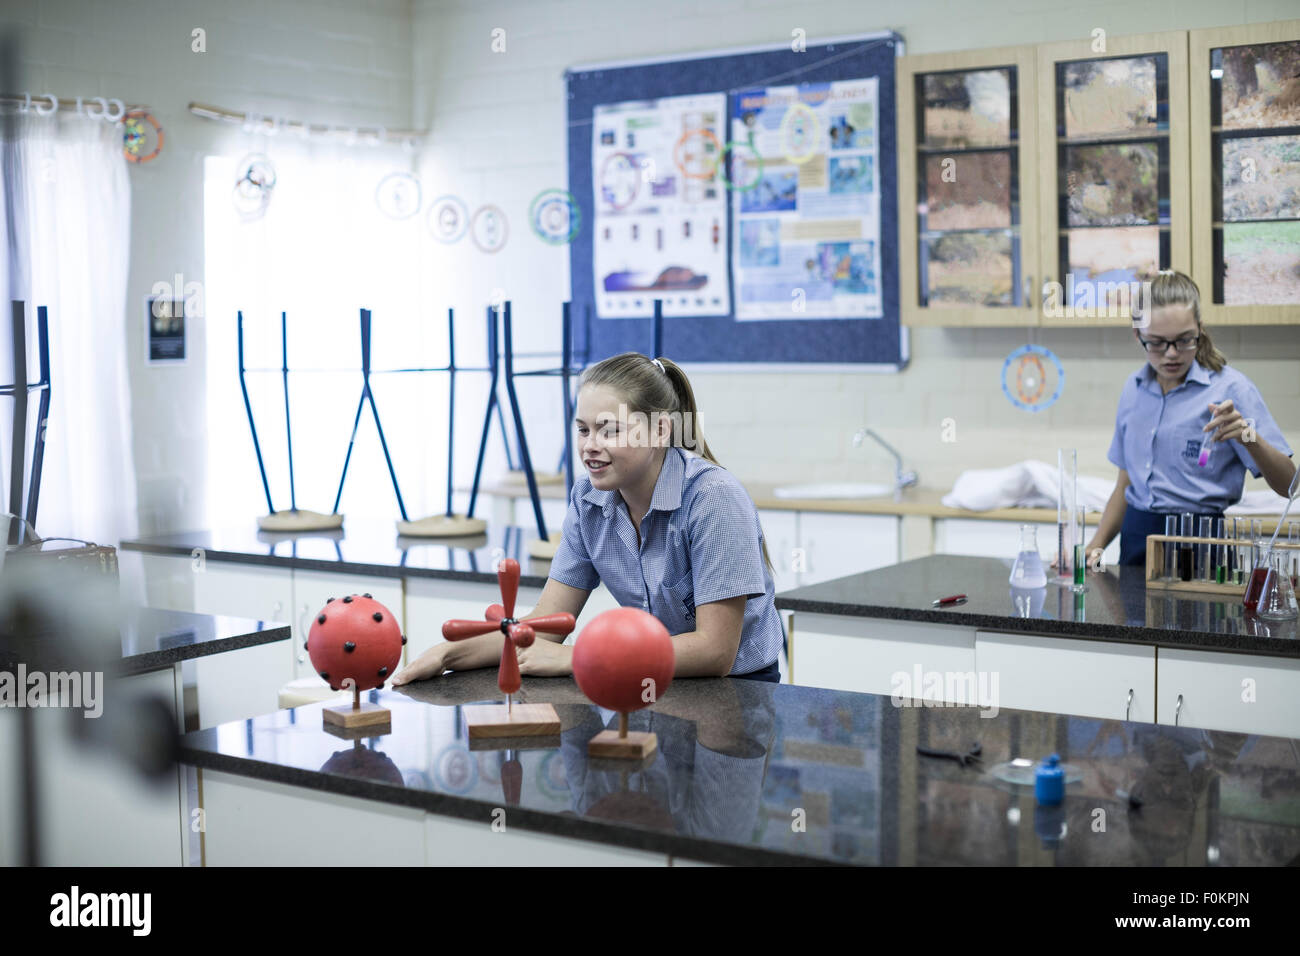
721	339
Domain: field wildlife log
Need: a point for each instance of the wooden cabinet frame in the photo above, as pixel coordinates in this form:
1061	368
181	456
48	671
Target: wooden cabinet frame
1200	43
909	67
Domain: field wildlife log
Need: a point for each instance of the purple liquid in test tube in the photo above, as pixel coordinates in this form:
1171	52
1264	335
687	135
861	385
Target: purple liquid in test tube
1203	458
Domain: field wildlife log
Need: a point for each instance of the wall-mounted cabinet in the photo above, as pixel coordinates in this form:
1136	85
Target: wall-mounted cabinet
1042	185
1245	169
968	180
1113	197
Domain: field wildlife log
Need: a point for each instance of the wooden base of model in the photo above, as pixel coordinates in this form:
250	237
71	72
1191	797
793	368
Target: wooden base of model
511	720
299	520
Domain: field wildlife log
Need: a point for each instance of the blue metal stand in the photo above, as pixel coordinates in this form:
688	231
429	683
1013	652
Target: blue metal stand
21	389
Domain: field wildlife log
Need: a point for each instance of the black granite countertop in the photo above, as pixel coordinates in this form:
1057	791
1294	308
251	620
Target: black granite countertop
1117	606
360	548
154	638
748	772
132	641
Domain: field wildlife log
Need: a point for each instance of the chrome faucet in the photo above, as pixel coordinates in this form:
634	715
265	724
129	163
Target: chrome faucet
902	479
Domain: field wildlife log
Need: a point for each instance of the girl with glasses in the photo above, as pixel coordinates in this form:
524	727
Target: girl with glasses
1184	392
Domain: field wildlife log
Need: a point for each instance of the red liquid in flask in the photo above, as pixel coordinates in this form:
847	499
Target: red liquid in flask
1255	589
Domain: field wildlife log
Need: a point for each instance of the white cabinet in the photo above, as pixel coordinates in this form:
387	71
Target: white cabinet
868	655
781	534
1235	692
1067	676
988	538
834	545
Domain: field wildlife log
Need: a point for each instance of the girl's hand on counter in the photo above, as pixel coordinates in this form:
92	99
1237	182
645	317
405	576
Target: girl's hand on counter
429	664
545	659
1226	422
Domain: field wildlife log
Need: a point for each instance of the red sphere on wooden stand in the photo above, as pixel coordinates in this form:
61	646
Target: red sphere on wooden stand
624	660
355	643
512	720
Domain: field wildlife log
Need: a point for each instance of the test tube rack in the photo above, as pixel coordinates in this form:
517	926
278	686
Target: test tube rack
1155	566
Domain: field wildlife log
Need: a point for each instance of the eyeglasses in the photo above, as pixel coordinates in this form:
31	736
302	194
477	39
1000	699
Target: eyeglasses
1160	346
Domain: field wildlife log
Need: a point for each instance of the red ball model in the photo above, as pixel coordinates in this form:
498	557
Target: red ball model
356	638
624	660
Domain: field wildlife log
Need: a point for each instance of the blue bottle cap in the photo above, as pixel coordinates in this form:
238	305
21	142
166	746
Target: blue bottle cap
1049	781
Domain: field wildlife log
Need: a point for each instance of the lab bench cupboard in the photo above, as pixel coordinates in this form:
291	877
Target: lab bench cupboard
1245	693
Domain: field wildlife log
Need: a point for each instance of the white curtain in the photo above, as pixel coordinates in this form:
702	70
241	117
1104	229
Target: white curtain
322	251
72	212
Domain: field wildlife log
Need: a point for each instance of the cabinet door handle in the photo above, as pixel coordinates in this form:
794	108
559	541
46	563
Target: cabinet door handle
1128	708
1177	708
1027	293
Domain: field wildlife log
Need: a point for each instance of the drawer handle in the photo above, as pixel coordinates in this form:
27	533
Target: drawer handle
1128	708
1177	708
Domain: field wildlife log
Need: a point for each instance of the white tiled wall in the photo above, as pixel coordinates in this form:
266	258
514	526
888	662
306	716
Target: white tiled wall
497	124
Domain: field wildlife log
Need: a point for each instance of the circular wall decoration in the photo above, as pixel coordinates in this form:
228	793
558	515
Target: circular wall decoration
697	153
800	134
555	216
757	163
620	180
489	229
252	193
447	219
1032	378
142	137
398	195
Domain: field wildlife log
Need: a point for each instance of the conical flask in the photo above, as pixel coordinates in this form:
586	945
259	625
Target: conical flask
1277	602
1028	571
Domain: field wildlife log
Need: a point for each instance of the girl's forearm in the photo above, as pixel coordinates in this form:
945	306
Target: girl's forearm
1112	518
1277	468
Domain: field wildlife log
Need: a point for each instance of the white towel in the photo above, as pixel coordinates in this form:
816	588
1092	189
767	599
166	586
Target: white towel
1029	484
1032	484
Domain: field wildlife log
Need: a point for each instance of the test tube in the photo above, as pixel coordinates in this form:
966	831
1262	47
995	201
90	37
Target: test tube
1080	559
1067	476
1171	548
1207	445
1203	527
1220	552
1239	559
1186	556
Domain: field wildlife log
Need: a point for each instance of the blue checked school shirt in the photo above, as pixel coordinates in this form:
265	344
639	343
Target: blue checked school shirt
700	543
1158	436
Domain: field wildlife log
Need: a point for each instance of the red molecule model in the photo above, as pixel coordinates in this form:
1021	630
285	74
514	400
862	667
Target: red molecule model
355	638
624	660
511	720
500	617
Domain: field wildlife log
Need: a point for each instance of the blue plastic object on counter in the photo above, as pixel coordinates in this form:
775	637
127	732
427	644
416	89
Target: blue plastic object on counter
1049	782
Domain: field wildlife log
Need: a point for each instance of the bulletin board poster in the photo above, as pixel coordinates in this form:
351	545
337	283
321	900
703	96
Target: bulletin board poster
805	195
660	223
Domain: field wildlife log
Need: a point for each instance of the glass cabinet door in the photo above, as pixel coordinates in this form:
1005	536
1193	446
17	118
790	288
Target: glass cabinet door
965	125
1245	101
1113	194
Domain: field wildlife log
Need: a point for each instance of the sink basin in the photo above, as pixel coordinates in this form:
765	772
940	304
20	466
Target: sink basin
848	489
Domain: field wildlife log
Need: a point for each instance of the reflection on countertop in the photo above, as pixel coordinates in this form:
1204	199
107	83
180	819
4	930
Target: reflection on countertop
749	772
